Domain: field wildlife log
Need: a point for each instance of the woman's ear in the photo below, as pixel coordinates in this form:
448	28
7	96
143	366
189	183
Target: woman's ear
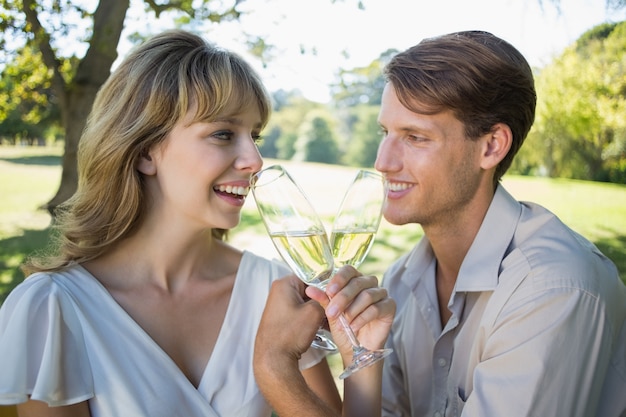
497	144
145	164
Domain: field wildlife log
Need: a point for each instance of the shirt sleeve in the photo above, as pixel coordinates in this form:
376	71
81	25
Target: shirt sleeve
395	401
42	346
546	355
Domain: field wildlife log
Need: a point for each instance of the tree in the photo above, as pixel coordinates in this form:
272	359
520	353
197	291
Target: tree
316	141
365	136
363	85
285	123
48	24
580	126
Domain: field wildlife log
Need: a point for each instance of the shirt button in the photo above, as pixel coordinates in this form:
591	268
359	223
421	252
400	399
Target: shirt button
442	362
437	414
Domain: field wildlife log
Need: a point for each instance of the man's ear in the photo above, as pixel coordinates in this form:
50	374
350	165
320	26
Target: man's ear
145	164
497	144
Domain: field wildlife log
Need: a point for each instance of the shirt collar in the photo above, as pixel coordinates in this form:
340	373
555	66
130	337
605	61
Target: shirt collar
481	267
417	261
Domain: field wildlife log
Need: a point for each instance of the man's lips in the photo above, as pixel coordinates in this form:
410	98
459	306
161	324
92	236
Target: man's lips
398	186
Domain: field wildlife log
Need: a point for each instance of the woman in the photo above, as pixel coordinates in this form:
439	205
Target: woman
143	309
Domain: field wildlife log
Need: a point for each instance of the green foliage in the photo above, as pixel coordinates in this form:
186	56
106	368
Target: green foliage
281	133
286	145
269	142
28	106
580	128
362	85
597	33
365	137
316	140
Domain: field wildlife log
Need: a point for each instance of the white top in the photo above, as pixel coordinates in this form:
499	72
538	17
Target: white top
537	326
64	339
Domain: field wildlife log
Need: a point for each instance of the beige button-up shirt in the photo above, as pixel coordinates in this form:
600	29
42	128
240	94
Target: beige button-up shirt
537	326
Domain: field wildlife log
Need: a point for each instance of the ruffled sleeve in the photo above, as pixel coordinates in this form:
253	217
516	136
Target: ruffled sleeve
42	347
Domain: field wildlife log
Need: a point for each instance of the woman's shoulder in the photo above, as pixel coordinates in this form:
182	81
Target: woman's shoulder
42	289
36	287
40	314
251	260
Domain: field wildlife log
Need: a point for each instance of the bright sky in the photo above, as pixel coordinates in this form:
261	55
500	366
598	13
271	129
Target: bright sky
345	37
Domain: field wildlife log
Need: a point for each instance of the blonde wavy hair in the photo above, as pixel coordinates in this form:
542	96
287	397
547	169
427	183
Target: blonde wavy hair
153	88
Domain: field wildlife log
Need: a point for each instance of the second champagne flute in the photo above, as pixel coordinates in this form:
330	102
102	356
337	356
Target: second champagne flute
354	229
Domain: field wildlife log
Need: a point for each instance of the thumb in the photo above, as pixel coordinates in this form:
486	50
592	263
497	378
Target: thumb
317	294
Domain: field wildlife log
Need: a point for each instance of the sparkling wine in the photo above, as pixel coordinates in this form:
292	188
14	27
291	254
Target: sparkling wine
307	254
350	247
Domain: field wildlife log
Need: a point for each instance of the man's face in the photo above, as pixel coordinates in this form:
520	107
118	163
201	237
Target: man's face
432	169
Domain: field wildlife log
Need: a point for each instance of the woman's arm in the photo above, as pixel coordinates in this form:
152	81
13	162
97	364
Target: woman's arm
286	330
320	379
287	327
33	408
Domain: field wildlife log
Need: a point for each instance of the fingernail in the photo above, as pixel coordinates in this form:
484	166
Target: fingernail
332	311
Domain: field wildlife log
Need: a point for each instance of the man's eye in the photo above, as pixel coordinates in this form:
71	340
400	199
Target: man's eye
417	138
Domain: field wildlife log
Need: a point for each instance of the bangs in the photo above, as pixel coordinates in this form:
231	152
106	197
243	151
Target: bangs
223	84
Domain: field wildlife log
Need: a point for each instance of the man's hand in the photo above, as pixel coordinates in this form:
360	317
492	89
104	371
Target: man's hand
366	306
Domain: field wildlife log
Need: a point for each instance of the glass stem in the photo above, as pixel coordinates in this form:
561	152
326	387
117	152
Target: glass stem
356	346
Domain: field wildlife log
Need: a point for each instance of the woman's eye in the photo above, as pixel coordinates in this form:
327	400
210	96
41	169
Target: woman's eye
223	135
258	139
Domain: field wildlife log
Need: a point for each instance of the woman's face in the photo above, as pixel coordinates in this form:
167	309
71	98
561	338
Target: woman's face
201	172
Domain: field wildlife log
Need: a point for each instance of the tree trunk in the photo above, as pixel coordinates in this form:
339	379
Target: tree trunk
79	95
77	109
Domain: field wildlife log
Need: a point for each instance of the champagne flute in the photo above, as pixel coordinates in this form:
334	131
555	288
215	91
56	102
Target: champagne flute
296	231
354	229
300	238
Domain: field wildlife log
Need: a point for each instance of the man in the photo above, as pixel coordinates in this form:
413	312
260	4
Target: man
502	310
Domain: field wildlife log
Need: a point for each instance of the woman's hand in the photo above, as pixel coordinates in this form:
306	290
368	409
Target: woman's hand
289	321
